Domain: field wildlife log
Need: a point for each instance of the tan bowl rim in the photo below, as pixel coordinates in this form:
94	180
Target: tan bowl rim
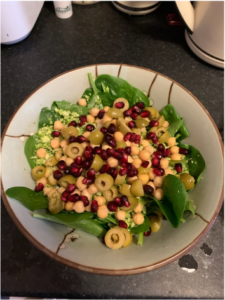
111	271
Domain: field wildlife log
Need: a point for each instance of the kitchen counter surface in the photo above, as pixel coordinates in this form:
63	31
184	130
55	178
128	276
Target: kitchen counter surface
96	34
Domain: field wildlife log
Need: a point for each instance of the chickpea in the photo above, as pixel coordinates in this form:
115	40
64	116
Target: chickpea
164	162
128	119
106	108
128	143
58	125
144	143
168	171
158	181
69	161
41	153
61	190
46	190
93	145
85	193
158	194
43	180
55	143
144	155
144	178
90	118
88	208
69	205
175	157
137	162
106	118
102	211
143	129
80	184
52	180
64	143
130	159
58	154
64	149
118	136
132	179
97	121
112	162
151	184
165	124
63	158
150	163
79	207
120	215
171	141
101	200
84	144
174	150
92	189
138	208
76	192
51	192
138	218
151	174
86	134
106	146
134	150
150	149
82	102
94	111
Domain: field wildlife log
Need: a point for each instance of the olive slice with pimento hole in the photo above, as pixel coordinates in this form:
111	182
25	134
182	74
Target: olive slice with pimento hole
74	149
51	161
66	180
164	137
125	103
55	204
153	113
104	182
110	194
128	237
38	172
114	238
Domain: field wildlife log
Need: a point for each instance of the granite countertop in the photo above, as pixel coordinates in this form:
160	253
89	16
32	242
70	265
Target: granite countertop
96	34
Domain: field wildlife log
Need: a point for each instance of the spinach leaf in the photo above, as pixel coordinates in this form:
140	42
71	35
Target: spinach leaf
95	98
196	162
77	221
141	228
68	106
46	118
167	209
115	87
171	116
87	94
174	127
189	206
30	150
29	198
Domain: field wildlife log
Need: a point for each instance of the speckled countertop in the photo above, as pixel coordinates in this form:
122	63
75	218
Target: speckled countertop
101	34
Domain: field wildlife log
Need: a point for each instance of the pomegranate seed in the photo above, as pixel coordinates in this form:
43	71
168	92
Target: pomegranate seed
72	139
147	233
75	171
67	171
118	202
140	105
117	155
90	127
145	164
97	150
129	166
135	171
145	114
127	113
88	155
73	123
111	128
112	206
56	133
107	137
61	165
104	155
155	140
88	148
133	136
159	172
78	161
137	139
85	200
166	153
39	187
112	143
127	136
65	196
124	158
74	198
122	224
57	174
85	180
124	201
70	188
104	169
128	150
121	150
153	123
148	189
136	109
81	139
86	164
103	130
155	162
130	173
150	135
101	114
161	148
110	152
123	171
90	173
178	167
134	116
83	119
132	124
124	165
94	206
119	105
183	151
157	154
113	172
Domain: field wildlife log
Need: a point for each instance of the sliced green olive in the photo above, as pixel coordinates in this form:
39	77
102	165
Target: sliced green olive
161	120
136	130
104	182
153	129
106	124
67	132
96	137
114	238
97	163
74	149
51	161
58	154
110	194
153	112
155	222
120	179
142	170
160	130
122	126
38	172
187	180
125	189
164	137
52	180
133	203
65	180
141	123
125	102
137	188
55	204
121	144
115	113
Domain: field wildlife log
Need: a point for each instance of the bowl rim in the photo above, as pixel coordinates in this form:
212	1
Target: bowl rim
100	271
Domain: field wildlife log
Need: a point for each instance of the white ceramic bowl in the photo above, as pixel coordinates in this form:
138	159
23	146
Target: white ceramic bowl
87	252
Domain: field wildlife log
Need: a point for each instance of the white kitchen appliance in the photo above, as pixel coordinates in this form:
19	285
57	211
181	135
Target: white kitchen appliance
136	7
204	21
18	19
